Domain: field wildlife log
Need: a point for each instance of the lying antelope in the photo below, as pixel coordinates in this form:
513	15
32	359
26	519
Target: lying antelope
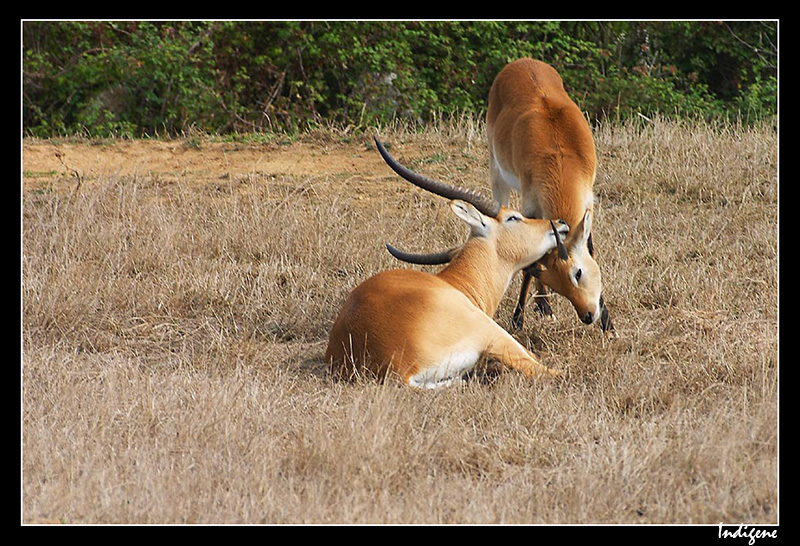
541	146
432	330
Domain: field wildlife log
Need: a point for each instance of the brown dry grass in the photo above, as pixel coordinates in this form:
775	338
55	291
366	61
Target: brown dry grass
175	312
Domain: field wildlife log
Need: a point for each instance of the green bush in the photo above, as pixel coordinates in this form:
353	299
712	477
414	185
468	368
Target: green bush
133	78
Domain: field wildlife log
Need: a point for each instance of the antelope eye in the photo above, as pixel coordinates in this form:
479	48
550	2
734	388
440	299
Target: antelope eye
578	274
514	218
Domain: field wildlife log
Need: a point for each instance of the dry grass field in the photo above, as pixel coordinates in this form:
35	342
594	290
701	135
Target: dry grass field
175	310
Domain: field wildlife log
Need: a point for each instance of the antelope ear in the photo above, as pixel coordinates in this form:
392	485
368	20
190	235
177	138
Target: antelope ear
583	231
478	223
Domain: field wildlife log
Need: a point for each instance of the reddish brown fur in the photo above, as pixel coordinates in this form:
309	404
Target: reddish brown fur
408	322
540	134
541	145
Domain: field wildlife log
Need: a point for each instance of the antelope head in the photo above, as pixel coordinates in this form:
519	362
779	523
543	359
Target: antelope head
571	271
514	239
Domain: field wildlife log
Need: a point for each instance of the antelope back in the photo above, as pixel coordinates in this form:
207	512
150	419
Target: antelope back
540	141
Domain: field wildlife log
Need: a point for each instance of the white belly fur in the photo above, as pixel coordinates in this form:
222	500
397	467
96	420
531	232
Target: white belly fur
507	176
447	372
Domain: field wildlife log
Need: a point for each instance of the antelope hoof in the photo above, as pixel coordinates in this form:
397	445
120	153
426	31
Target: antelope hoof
553	373
544	307
605	323
517	322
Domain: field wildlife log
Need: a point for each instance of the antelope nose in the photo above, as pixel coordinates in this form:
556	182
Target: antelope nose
587	318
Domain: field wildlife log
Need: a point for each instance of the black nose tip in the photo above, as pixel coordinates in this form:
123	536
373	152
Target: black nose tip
587	319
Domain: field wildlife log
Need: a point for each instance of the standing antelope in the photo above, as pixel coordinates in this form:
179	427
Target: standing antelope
431	330
541	146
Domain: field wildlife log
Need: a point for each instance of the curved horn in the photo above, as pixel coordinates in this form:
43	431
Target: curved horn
562	249
485	206
434	258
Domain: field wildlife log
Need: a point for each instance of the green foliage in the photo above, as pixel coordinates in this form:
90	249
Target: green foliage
143	78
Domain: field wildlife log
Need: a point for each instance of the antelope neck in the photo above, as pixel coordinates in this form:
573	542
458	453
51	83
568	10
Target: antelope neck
479	274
